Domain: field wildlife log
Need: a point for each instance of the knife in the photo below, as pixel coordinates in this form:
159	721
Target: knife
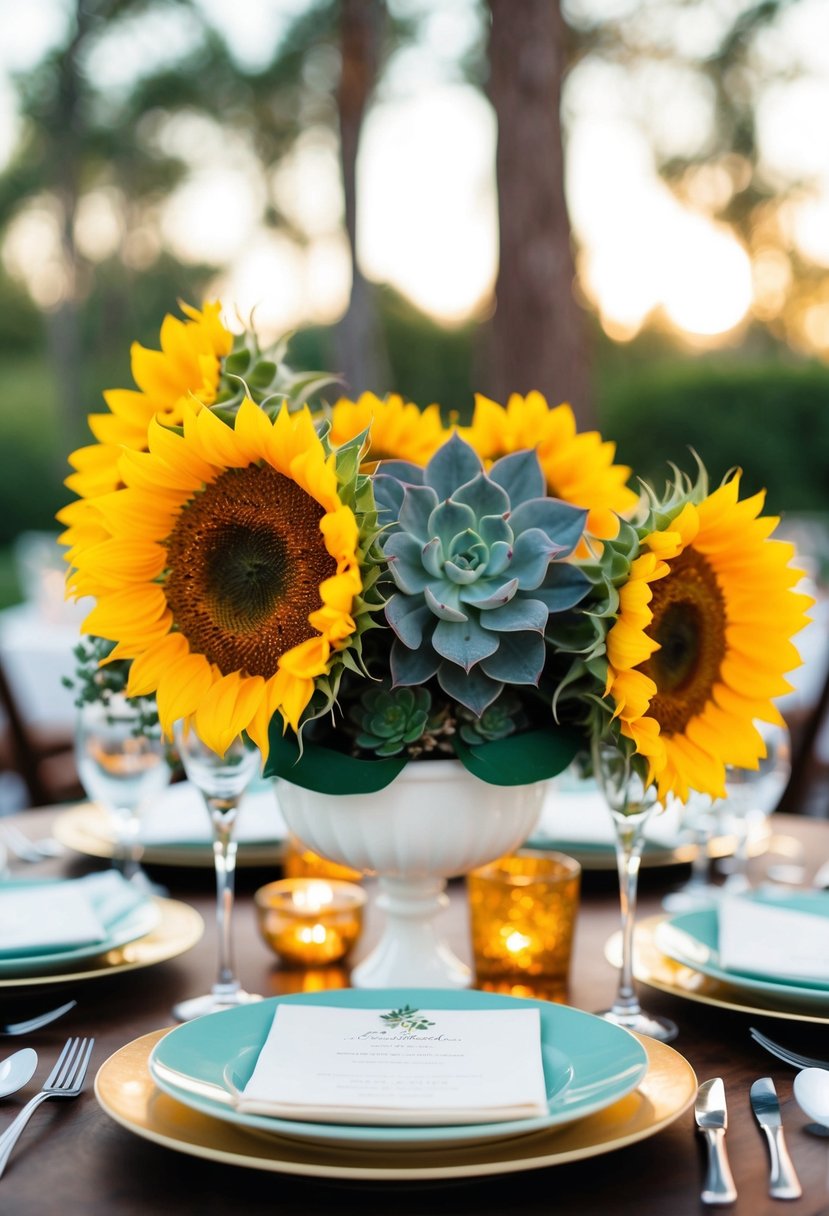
710	1113
783	1181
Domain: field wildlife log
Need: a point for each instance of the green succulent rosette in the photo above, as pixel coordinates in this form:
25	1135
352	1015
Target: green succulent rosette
478	564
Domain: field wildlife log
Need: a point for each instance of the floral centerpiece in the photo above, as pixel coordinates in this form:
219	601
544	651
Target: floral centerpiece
361	586
368	579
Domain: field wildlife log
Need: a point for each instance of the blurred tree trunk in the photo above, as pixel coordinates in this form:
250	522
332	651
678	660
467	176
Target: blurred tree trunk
359	345
63	323
538	335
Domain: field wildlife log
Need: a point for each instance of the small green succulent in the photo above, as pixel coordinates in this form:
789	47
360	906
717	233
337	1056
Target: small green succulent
389	719
392	720
476	559
503	718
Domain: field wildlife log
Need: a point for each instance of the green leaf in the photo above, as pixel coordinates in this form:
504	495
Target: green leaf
237	363
519	760
324	770
262	374
304	386
536	755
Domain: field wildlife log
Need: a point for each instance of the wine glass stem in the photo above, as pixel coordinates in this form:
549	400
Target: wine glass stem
129	852
700	862
223	817
629	842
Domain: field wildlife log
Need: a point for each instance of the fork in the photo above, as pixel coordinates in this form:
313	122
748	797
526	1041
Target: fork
35	1023
64	1081
794	1058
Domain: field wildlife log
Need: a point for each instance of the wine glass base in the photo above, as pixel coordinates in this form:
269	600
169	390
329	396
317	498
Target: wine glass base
212	1002
662	1029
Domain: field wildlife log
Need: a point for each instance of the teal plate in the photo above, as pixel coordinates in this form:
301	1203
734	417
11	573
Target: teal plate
692	938
132	924
588	1064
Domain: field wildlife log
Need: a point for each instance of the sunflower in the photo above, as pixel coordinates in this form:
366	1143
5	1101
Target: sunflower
578	466
186	370
701	643
229	570
398	430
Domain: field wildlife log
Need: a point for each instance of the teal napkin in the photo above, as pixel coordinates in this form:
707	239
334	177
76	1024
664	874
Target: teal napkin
64	914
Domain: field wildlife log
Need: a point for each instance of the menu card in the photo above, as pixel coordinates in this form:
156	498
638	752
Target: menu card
399	1066
779	942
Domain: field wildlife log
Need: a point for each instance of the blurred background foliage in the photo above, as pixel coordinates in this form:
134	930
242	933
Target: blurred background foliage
129	108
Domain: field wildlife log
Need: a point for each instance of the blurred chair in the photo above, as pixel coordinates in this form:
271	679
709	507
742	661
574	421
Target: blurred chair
42	755
37	638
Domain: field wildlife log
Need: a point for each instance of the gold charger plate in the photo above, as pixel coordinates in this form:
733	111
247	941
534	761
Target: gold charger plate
85	829
126	1092
179	928
655	855
654	969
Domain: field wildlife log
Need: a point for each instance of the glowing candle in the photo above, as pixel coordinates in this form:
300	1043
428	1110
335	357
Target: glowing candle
310	921
522	914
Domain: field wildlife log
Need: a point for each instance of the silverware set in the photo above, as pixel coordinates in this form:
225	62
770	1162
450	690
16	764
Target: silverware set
711	1116
66	1080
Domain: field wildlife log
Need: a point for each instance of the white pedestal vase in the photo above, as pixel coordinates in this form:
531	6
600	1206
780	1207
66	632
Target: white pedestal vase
433	822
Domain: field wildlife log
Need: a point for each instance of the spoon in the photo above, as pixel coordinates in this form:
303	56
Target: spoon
811	1092
16	1070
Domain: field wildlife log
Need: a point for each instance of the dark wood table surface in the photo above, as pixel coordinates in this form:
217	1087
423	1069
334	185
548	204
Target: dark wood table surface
74	1159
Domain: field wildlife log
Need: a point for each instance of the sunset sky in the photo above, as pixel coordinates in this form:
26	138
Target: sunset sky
426	176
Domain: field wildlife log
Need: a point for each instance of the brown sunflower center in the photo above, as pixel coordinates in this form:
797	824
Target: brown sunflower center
689	624
246	559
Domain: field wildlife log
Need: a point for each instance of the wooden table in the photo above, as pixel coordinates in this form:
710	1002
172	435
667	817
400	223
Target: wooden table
74	1159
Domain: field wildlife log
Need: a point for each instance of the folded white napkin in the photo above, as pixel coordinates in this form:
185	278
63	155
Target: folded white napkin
179	817
777	942
583	817
404	1067
63	915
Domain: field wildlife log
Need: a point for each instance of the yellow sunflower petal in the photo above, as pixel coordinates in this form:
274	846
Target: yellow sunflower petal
293	693
182	685
148	669
220	716
720	596
170	558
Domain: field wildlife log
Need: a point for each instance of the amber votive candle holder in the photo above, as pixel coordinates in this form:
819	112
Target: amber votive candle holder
523	911
300	862
309	922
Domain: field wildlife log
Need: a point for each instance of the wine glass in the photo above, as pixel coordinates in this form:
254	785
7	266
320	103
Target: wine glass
122	764
222	780
699	818
751	796
631	801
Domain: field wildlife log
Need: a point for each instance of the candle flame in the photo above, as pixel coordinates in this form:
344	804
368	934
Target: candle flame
314	896
516	942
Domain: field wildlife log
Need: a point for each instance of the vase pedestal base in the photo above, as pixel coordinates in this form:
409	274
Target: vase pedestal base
410	952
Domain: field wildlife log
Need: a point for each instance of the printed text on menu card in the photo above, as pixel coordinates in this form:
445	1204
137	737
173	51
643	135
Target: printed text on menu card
402	1066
